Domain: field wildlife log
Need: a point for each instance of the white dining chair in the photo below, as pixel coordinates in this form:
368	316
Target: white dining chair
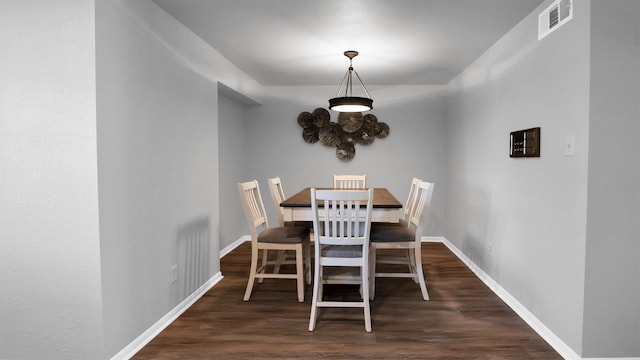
398	236
278	196
408	207
342	223
265	238
349	181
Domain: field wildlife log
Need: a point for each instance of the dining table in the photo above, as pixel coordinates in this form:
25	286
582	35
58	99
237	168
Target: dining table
386	208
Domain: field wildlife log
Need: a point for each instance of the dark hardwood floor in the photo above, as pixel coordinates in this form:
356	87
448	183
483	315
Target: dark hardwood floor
463	320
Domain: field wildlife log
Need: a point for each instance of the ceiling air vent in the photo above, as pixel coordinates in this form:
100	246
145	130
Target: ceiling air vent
556	15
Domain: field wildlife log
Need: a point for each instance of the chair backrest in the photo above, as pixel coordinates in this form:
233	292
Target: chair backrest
411	199
253	208
342	217
349	181
423	200
277	194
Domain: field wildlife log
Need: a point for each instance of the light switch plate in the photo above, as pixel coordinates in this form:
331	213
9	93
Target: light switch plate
570	144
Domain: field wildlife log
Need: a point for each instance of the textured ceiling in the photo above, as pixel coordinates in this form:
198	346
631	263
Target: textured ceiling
301	42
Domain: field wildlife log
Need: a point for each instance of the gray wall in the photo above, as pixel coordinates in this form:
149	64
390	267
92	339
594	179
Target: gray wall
233	160
612	288
158	172
523	221
109	149
50	287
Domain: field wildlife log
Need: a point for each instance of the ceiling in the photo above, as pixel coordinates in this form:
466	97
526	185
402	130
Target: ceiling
301	42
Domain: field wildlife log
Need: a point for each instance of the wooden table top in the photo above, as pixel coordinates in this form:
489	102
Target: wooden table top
382	198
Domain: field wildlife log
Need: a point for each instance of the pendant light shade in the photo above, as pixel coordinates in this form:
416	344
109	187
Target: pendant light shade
348	102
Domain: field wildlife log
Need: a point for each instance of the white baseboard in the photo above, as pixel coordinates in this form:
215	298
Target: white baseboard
439	239
142	340
130	350
556	343
234	245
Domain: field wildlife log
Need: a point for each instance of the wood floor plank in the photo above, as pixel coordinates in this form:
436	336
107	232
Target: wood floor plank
463	320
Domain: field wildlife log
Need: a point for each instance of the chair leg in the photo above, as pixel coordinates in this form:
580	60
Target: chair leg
307	256
282	255
265	258
317	293
372	272
411	262
300	272
321	286
420	274
365	297
252	273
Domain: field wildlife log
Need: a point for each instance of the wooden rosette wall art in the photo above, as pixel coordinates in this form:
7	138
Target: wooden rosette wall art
351	128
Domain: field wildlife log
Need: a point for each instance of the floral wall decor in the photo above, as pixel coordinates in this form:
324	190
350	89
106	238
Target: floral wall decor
349	129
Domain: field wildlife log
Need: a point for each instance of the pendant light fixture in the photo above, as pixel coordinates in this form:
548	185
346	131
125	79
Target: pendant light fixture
348	102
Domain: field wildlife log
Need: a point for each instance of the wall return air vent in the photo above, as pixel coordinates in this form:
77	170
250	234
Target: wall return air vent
556	15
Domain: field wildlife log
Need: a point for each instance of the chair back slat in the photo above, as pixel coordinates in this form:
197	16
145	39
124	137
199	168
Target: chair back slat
423	200
253	207
349	181
342	217
277	194
411	199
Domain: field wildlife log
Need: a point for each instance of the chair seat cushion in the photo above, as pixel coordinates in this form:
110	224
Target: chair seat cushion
391	233
342	251
284	235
